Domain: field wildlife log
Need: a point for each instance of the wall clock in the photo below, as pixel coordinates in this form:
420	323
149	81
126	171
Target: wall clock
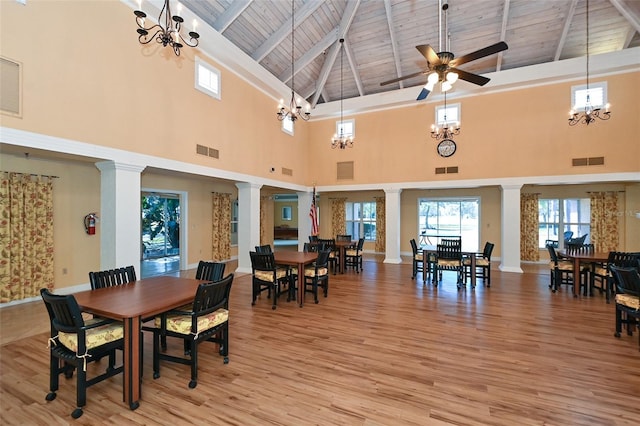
446	148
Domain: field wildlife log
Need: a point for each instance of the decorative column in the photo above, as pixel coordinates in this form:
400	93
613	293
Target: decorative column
392	222
119	215
248	223
304	220
510	239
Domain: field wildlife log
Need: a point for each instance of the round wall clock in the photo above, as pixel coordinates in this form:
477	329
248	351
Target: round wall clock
446	148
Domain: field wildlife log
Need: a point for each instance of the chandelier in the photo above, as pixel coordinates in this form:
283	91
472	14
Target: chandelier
590	113
294	109
169	34
341	140
445	132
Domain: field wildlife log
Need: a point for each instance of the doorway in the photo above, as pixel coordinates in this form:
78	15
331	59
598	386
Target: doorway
160	237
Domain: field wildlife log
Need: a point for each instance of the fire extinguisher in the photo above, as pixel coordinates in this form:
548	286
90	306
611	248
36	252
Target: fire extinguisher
90	223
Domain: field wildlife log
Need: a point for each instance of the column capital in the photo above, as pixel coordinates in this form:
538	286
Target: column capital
104	166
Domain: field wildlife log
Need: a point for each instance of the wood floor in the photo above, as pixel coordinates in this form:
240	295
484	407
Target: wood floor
380	350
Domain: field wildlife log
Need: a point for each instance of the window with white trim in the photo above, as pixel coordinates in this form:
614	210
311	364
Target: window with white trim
207	79
234	222
559	216
450	115
597	95
361	220
348	128
287	125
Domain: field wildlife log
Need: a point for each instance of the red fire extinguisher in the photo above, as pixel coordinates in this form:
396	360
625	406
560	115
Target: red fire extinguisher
90	223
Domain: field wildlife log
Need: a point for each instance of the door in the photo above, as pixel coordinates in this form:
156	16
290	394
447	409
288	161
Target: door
160	234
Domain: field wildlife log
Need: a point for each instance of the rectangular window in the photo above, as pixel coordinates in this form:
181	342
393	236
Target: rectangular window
287	125
597	95
439	218
562	219
234	222
207	79
348	128
450	115
361	220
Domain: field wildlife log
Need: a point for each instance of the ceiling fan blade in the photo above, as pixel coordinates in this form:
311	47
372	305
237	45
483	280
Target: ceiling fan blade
415	74
423	94
470	77
427	51
489	50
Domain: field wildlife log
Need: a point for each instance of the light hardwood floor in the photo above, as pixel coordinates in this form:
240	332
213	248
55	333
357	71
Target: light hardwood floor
382	349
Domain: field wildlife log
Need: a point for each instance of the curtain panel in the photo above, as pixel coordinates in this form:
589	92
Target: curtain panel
221	226
604	221
529	227
26	235
381	230
338	216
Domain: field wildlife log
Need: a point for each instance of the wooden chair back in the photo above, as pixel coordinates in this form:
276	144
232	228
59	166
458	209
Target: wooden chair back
112	277
210	271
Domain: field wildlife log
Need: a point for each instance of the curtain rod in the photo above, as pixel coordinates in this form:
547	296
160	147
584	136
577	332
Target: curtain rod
32	174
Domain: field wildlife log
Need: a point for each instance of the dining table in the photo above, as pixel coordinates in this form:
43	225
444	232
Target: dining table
130	303
431	252
582	256
298	259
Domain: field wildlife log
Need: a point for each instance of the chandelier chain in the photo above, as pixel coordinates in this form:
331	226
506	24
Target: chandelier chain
340	140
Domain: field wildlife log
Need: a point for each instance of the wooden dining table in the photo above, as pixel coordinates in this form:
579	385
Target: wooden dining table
578	256
130	303
298	259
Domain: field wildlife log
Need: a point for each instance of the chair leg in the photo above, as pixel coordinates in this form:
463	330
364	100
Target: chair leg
156	354
194	363
618	322
81	392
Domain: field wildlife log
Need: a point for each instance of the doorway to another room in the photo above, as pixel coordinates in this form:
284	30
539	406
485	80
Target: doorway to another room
160	239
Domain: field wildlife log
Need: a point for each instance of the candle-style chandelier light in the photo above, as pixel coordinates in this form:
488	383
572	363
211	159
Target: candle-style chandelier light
589	114
294	110
340	140
448	130
168	34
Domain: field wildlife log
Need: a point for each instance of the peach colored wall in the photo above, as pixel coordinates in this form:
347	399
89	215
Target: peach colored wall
93	82
507	134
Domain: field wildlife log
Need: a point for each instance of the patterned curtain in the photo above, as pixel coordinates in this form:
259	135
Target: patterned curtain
264	205
381	230
26	235
338	221
604	221
529	227
221	227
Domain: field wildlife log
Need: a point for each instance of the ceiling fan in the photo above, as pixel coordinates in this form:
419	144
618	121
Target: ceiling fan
442	66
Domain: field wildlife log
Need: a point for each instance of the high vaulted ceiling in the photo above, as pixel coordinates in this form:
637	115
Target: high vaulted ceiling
381	35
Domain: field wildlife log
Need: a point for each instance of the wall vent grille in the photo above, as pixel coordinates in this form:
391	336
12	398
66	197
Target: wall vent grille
344	170
287	172
590	161
208	151
441	170
10	73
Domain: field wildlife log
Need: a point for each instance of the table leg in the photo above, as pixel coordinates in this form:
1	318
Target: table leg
473	270
576	277
131	381
301	284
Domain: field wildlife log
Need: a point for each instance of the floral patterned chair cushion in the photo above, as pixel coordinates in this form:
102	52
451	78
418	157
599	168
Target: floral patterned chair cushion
94	336
182	323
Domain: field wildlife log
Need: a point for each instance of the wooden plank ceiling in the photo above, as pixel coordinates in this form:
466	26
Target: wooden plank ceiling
381	35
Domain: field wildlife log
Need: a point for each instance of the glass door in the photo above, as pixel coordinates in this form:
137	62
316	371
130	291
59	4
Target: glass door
160	234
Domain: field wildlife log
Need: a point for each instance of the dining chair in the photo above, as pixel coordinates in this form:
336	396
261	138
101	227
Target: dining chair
483	264
343	237
627	284
330	244
74	343
205	320
561	271
265	248
317	275
210	271
266	275
416	258
353	256
449	259
112	277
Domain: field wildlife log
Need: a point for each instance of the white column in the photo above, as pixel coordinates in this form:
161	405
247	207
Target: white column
392	224
119	215
510	239
304	220
248	223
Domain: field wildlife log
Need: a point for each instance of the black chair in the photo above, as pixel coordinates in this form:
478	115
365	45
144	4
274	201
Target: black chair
627	282
483	264
416	258
343	237
266	248
310	247
619	259
353	256
271	277
317	275
112	277
561	271
449	259
330	244
75	343
210	271
207	320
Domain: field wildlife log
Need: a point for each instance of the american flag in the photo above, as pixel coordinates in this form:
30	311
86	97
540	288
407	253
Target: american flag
313	214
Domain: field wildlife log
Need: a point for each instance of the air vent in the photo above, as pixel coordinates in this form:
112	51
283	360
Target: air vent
446	170
209	152
345	170
591	161
10	86
287	172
